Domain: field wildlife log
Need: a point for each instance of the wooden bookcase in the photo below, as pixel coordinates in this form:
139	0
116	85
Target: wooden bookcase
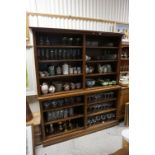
70	113
124	71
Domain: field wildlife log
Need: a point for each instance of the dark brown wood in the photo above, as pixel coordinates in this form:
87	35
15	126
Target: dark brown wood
36	63
56	61
94	50
57	46
77	92
84	60
97	61
101	47
102	101
64	107
101	112
85	111
61	76
61	138
124	98
101	74
29	115
64	119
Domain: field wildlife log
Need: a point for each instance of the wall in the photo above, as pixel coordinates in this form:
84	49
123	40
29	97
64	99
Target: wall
115	10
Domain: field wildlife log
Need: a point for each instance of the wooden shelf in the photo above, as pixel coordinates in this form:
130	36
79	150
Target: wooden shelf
61	76
65	132
102	47
97	125
124	59
77	92
94	61
102	101
64	107
48	141
124	72
83	92
57	46
101	112
64	119
62	60
101	74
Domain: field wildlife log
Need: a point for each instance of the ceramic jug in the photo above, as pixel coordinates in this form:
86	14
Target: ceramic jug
44	88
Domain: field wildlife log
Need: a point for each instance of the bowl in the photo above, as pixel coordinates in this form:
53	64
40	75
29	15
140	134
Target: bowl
90	82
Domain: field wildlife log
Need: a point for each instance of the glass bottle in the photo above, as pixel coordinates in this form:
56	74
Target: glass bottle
51	54
51	128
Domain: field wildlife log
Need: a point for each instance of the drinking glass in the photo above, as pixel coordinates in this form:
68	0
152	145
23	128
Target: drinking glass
71	112
51	54
65	113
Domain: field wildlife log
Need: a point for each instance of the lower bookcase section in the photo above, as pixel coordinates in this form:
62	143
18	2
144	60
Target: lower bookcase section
67	117
49	140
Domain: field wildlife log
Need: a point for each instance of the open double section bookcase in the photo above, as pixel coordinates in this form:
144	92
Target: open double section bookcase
77	81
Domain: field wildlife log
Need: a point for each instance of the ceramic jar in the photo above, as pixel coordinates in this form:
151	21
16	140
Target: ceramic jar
51	70
51	89
100	69
104	69
109	69
58	86
66	87
44	88
65	69
79	70
71	70
72	85
78	85
58	70
75	70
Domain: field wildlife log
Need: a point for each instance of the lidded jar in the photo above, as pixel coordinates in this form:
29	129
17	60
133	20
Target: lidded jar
65	69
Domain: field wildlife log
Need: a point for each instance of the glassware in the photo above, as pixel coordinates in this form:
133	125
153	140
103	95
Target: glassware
42	54
60	126
61	113
54	103
64	54
79	70
78	53
60	54
65	127
56	54
64	40
70	125
41	41
47	41
74	53
51	128
68	54
71	112
47	54
70	41
65	113
51	53
47	104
